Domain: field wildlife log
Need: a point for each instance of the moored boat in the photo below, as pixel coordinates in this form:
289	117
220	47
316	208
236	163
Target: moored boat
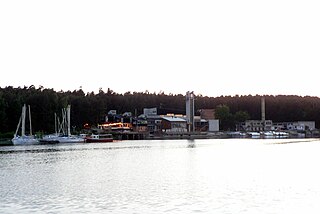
281	134
24	139
51	139
63	135
70	139
254	134
99	138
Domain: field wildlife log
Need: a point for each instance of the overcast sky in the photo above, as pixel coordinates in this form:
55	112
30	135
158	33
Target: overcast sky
210	47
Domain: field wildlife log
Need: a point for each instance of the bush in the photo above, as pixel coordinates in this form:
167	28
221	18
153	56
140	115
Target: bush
7	135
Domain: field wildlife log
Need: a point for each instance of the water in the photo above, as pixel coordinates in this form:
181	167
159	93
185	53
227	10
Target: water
178	176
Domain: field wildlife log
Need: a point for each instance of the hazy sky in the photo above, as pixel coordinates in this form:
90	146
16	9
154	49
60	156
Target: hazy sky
216	47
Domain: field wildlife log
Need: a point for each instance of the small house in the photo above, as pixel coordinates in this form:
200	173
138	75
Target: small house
173	124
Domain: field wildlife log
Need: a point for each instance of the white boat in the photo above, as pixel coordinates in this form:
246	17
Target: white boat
52	139
24	139
267	134
281	134
254	134
70	139
99	138
64	133
236	134
49	139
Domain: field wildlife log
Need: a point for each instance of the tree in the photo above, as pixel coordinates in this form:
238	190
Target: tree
241	116
3	115
222	113
92	108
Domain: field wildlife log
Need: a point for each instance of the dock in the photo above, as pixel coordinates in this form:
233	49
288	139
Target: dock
129	135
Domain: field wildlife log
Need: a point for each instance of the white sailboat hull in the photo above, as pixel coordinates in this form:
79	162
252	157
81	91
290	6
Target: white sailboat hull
61	139
70	139
24	140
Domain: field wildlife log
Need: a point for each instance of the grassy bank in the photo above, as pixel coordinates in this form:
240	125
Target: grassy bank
5	142
5	139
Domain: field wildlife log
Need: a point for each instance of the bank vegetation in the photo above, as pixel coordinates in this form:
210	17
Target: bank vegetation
92	107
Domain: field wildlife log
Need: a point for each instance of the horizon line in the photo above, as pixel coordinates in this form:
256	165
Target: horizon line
148	92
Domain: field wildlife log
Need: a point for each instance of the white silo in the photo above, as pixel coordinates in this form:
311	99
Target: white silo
190	111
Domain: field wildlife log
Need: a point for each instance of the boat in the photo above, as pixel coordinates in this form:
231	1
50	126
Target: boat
99	138
24	139
66	136
267	134
236	134
64	133
53	139
281	134
49	139
254	134
70	139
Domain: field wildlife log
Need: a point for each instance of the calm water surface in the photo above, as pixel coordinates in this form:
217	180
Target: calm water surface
178	176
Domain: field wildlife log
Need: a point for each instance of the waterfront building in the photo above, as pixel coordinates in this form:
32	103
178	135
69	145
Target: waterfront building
174	124
257	125
153	120
150	112
213	125
209	116
200	124
295	126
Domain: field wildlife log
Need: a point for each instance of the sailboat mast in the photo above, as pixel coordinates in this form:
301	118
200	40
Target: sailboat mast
60	126
23	122
63	122
68	112
55	123
30	120
16	133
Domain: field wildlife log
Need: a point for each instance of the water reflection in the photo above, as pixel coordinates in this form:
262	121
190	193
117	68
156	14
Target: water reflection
215	176
67	148
191	143
295	141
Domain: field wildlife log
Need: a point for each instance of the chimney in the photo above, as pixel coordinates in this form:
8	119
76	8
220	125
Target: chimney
263	109
190	111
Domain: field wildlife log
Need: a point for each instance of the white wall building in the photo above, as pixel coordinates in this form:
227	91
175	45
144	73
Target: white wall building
301	125
258	125
171	124
213	125
150	111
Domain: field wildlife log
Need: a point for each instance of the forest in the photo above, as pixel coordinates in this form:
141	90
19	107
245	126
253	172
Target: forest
92	107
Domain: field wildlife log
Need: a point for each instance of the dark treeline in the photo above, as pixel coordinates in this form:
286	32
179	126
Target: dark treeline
92	108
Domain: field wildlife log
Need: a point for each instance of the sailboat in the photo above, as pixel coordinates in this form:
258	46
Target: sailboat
64	127
52	138
24	139
68	138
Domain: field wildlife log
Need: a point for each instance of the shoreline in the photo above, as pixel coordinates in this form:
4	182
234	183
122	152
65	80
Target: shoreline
6	142
193	136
